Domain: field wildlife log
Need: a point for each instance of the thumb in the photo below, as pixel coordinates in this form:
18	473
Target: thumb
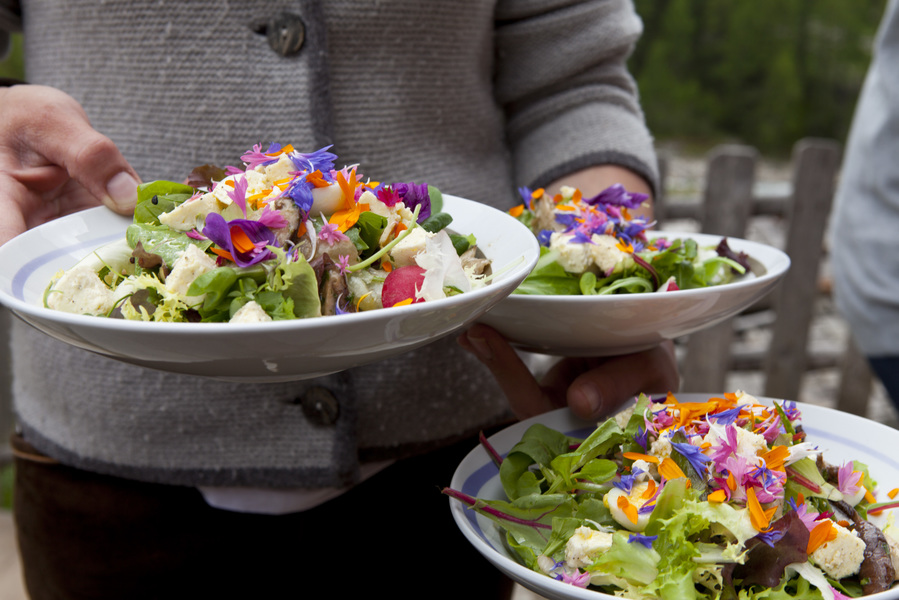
63	136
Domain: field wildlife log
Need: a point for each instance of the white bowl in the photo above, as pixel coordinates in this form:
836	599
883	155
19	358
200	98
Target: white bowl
274	351
841	436
626	323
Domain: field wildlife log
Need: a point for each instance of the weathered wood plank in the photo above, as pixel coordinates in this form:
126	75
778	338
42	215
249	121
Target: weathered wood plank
726	206
817	162
856	381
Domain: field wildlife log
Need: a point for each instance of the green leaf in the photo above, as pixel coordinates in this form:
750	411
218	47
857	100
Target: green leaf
162	240
436	222
436	198
370	227
157	197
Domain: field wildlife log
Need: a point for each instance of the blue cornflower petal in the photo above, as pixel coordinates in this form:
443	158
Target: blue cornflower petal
693	454
639	538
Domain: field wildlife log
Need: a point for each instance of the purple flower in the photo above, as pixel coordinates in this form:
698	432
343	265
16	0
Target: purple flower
694	455
639	538
414	195
771	537
642	437
625	483
544	236
527	197
727	417
244	239
300	191
320	160
616	195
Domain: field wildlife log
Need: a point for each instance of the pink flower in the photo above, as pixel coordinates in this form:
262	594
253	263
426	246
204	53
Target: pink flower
343	263
330	234
579	579
849	482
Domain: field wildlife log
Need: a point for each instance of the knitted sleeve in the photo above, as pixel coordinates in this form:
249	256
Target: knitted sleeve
561	77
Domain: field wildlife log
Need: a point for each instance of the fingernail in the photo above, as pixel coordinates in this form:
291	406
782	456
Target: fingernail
480	347
122	190
588	395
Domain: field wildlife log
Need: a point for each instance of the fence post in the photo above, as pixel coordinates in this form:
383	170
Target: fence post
725	210
816	164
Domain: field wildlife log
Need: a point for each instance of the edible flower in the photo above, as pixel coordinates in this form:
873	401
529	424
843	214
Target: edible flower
242	241
639	538
238	195
256	157
331	234
849	481
415	195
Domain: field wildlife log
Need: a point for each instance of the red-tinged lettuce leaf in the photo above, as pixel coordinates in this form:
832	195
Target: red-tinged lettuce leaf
765	564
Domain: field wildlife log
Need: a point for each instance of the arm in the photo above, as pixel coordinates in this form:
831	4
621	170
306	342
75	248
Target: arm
573	119
52	162
591	387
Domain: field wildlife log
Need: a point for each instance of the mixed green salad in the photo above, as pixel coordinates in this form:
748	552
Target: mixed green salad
286	236
722	499
594	246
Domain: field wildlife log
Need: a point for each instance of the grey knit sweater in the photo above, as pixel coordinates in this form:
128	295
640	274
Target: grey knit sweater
475	97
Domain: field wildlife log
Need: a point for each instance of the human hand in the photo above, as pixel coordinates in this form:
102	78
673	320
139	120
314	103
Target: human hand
590	387
53	162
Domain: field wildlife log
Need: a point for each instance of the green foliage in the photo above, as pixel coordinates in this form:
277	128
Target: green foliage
765	72
13	64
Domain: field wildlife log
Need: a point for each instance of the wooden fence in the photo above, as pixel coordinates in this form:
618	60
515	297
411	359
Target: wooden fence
727	205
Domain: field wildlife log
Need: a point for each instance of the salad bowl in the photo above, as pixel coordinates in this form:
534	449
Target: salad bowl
841	437
626	323
260	352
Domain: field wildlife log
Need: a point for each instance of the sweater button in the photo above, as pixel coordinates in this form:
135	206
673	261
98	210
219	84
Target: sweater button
285	33
320	406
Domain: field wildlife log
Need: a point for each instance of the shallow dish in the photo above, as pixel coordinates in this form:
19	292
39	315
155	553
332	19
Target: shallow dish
274	351
625	323
841	436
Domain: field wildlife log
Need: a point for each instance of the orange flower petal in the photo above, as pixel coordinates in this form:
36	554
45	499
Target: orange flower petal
820	533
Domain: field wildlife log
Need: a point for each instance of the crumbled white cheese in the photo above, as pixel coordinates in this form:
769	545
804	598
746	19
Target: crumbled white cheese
842	556
80	291
406	249
574	257
192	263
583	547
250	312
191	214
605	252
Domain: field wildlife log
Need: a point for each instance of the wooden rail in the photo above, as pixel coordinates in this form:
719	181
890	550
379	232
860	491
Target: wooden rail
727	205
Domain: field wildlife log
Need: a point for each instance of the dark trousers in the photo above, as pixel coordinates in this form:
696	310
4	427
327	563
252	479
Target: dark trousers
83	535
